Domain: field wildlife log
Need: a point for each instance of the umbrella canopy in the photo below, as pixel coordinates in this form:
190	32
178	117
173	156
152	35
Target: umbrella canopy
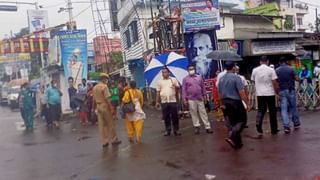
176	64
224	56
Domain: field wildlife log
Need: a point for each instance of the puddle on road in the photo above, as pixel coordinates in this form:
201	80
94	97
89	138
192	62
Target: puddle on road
35	143
9	160
172	165
84	138
81	155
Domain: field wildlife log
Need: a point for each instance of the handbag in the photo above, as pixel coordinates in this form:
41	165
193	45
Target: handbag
129	107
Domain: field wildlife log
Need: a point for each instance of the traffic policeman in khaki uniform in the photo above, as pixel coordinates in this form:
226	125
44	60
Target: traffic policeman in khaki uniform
105	112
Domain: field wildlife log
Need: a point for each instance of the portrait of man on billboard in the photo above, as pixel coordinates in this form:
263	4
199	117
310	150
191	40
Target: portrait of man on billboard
198	46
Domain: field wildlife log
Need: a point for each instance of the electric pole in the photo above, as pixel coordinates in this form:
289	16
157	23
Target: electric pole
317	21
69	6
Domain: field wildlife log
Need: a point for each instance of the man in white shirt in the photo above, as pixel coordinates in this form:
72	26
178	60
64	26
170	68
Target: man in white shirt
167	89
316	71
265	79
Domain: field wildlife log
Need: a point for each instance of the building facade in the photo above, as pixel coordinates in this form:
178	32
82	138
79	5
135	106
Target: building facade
135	22
103	48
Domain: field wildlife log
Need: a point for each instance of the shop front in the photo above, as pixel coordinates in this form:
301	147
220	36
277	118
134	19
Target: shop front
136	68
273	49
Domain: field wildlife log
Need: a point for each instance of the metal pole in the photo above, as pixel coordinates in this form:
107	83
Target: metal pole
69	6
317	21
37	5
153	29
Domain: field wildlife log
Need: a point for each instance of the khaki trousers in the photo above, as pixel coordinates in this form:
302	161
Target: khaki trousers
106	123
198	111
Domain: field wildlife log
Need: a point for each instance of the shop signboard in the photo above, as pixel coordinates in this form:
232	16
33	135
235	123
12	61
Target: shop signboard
73	46
15	57
197	14
38	20
231	45
272	47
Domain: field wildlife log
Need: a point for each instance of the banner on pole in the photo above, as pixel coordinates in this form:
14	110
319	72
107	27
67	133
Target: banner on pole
38	20
198	14
73	45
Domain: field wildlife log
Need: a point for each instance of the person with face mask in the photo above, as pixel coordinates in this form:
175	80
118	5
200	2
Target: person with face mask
305	74
316	71
27	106
194	95
53	95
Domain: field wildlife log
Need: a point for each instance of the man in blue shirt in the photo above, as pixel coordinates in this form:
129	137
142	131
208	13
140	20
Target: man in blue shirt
53	95
287	77
233	97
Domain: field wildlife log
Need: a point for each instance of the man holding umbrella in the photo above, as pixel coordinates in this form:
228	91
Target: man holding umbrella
167	90
233	97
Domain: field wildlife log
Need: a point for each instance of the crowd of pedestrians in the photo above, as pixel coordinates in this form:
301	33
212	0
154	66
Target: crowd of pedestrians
104	102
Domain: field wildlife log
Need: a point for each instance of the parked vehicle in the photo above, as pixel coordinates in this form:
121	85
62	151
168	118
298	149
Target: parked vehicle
13	101
4	95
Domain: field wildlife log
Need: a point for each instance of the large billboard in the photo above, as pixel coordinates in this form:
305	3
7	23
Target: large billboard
197	14
198	45
38	20
74	55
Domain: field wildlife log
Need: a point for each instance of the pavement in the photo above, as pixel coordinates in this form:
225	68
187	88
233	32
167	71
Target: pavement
74	152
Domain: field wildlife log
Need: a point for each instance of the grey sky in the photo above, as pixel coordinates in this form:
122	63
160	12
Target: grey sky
16	20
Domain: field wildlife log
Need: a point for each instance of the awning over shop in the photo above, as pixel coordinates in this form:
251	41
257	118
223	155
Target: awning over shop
243	34
135	63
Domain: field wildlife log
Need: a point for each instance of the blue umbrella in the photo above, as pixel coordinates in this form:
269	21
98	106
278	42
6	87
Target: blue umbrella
177	65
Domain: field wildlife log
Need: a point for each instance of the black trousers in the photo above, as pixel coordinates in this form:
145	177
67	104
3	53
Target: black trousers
170	116
236	119
264	103
54	113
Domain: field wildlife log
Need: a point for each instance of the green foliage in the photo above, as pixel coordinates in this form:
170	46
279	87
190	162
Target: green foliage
94	75
23	31
116	61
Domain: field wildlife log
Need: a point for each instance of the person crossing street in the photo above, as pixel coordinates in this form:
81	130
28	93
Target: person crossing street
287	77
265	79
27	106
233	98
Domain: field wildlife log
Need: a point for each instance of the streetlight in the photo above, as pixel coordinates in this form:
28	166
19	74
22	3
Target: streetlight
69	10
36	4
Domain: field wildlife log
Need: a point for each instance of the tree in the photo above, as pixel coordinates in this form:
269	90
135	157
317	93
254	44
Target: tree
116	61
23	31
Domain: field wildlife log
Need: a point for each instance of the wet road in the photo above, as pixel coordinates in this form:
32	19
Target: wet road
74	152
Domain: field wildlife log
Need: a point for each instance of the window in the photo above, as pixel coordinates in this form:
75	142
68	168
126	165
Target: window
36	44
113	15
299	21
127	38
134	31
289	24
286	3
